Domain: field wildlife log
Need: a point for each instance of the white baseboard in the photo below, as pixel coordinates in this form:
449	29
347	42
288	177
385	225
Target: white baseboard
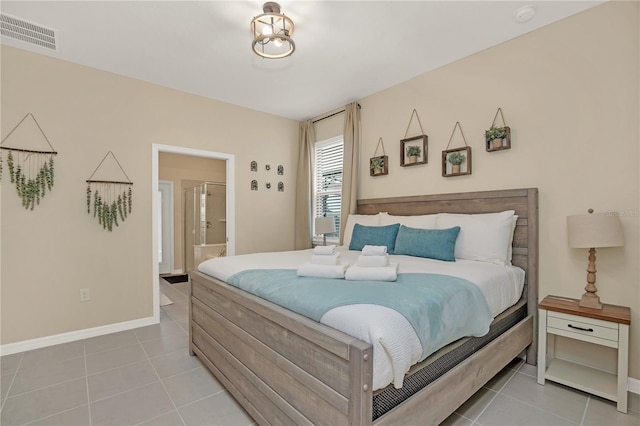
72	336
177	272
633	385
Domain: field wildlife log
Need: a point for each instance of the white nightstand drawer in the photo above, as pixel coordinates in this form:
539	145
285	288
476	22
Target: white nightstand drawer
583	326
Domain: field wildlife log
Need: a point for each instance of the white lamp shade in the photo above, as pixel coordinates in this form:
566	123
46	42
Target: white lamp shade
325	225
594	230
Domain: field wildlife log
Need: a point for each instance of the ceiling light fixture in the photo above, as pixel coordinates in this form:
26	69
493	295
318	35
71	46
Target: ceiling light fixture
272	33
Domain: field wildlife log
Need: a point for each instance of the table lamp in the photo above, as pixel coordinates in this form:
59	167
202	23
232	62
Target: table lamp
325	225
593	231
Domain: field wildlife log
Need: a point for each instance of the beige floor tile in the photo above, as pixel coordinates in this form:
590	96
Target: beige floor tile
217	410
604	413
75	417
5	383
529	370
52	355
505	411
45	402
110	342
121	379
157	331
170	419
106	360
9	363
175	363
47	374
500	379
456	420
477	403
191	386
165	345
559	400
133	407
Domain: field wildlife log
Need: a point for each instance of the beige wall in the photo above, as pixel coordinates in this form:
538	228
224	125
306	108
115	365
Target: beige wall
569	92
178	168
50	253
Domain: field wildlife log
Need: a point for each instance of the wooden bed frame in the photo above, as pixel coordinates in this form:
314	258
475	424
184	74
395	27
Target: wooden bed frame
284	368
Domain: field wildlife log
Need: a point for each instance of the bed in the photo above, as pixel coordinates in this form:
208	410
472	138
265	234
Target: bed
284	368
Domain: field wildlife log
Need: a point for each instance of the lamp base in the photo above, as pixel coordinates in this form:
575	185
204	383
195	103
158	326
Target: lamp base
590	300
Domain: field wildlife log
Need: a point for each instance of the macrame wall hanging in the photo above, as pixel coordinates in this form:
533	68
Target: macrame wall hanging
111	200
31	170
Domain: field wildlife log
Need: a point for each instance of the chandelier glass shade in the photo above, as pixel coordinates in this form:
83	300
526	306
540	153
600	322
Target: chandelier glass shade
272	33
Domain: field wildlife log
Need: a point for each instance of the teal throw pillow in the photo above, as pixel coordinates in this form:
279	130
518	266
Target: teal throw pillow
437	244
374	236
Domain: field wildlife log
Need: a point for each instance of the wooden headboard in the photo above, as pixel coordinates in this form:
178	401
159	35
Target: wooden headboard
525	239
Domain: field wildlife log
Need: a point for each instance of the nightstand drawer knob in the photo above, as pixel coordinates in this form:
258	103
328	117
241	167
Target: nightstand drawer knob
580	328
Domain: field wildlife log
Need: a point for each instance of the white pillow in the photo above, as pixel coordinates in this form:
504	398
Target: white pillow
514	221
425	221
484	237
362	219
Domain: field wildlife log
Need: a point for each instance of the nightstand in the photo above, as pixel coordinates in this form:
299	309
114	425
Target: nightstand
609	326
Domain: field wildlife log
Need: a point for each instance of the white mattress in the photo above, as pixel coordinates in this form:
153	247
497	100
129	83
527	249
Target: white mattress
396	346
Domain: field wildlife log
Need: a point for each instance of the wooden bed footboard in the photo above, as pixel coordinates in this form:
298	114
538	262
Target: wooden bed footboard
282	367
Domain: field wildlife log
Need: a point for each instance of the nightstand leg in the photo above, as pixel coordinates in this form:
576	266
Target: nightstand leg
623	366
542	345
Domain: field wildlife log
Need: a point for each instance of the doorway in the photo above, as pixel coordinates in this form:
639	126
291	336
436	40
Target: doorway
156	205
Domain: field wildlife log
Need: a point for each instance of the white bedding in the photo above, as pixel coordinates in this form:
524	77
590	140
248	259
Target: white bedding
395	344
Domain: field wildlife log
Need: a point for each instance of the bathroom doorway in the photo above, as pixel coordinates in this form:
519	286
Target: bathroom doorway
205	223
229	179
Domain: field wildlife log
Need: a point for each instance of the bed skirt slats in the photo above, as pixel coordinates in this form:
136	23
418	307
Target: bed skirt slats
308	384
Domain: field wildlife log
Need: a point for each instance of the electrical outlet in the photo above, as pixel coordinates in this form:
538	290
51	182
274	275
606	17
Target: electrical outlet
84	294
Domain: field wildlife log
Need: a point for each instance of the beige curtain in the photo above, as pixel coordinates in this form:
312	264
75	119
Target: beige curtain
350	163
304	186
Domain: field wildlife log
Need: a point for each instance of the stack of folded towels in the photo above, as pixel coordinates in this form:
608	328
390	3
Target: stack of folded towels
373	264
325	263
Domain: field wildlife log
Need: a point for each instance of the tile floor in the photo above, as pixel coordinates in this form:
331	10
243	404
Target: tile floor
146	377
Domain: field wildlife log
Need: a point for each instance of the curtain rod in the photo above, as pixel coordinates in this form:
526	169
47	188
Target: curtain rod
340	111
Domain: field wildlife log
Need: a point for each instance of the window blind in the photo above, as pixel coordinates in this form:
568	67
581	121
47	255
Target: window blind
328	181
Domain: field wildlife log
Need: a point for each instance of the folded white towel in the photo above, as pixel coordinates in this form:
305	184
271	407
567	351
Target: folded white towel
373	261
380	273
324	250
322	271
323	259
374	250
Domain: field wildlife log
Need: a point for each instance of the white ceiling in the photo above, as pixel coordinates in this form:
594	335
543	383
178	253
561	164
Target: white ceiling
345	50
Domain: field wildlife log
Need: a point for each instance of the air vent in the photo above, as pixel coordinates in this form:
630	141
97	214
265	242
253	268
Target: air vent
27	32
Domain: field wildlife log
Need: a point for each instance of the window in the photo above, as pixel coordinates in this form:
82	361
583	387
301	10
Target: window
327	183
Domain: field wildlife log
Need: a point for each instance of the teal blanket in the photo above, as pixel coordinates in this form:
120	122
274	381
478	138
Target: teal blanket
440	308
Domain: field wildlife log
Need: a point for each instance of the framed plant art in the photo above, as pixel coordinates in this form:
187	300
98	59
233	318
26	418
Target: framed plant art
456	161
379	165
498	138
413	151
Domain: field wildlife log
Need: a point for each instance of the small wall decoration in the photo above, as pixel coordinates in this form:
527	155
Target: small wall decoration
110	199
32	171
280	170
267	167
268	185
379	165
414	150
456	161
254	185
254	166
498	138
280	186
